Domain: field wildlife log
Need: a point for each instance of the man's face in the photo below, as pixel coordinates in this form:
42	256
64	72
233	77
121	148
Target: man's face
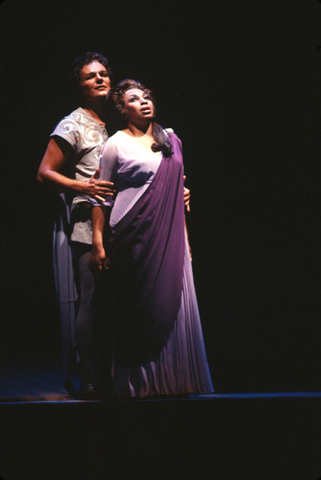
94	80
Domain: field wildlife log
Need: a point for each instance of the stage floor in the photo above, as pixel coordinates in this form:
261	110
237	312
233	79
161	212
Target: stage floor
41	380
47	435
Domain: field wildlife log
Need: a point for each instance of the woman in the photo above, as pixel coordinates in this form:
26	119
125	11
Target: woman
70	164
158	341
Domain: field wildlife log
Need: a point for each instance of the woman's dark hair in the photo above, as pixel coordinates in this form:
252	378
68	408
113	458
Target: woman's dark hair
115	109
83	60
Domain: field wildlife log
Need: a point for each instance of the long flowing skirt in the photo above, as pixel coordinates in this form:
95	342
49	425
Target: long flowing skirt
181	367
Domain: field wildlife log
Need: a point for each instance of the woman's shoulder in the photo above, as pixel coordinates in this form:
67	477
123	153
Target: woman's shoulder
111	146
113	142
172	136
117	138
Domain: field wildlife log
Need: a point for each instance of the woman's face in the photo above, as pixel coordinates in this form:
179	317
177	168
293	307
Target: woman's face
94	80
138	105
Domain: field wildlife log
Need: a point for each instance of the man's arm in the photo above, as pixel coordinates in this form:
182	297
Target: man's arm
56	154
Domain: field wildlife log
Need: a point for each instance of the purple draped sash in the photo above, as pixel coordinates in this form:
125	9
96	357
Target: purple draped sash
147	255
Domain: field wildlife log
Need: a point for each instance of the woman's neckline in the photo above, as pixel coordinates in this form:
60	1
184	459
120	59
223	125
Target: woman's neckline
139	143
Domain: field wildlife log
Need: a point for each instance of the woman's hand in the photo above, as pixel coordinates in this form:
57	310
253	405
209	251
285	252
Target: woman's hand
98	260
99	189
187	197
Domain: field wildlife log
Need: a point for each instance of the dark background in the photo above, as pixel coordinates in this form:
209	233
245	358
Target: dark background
239	82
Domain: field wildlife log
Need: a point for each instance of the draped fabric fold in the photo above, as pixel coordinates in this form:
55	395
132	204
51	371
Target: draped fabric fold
65	285
147	255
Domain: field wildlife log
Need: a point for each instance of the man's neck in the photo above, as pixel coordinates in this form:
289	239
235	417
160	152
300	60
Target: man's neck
96	110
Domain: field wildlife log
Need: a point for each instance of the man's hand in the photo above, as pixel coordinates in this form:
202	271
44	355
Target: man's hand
187	197
99	189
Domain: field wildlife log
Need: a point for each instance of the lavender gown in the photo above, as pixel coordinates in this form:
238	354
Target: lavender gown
159	322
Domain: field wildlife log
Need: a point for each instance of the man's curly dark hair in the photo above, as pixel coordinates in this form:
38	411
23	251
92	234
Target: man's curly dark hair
85	59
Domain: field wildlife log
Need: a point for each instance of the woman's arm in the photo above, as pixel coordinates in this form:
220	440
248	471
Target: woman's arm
98	259
107	172
100	213
57	153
